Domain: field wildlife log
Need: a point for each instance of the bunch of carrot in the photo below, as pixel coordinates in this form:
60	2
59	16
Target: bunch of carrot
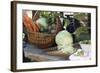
30	25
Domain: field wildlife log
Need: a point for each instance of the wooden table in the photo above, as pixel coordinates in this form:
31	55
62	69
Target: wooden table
37	54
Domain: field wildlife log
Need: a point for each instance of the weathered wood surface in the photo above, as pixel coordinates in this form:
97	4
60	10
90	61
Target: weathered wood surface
35	54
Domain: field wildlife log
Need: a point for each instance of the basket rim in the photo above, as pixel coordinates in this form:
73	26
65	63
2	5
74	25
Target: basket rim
28	32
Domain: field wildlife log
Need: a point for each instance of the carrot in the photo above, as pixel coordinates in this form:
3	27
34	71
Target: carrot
38	28
26	18
28	26
34	25
28	23
35	28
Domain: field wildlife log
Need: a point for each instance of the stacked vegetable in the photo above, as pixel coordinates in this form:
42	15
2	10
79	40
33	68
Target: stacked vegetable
30	25
43	21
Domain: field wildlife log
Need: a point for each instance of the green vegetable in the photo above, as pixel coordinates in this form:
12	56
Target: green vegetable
43	22
82	33
79	53
47	20
64	41
80	16
80	30
64	37
50	16
66	23
85	42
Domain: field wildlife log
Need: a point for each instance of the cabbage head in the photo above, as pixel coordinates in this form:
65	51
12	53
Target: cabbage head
64	42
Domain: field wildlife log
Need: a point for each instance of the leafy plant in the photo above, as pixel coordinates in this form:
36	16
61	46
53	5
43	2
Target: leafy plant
82	33
50	16
85	42
81	30
80	16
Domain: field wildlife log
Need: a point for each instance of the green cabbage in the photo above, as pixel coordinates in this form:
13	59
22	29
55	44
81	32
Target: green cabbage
64	42
64	37
43	22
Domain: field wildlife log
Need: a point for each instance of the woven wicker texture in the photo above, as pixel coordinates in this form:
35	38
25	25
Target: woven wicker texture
41	40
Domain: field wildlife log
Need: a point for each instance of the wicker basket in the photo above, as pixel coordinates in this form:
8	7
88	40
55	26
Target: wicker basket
41	40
